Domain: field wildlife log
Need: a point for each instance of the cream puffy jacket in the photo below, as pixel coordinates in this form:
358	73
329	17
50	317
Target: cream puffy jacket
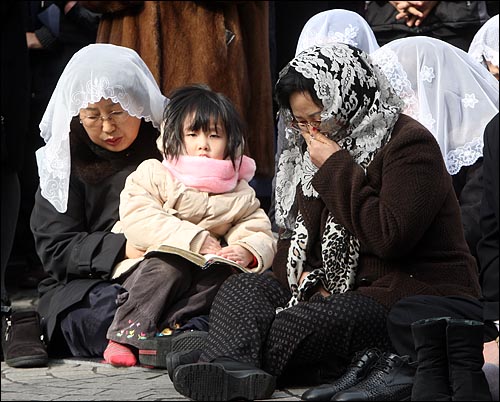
156	208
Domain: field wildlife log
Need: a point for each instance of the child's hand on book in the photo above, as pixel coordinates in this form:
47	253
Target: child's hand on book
210	246
237	254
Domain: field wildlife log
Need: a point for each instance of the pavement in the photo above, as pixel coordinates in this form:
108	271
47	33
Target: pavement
76	379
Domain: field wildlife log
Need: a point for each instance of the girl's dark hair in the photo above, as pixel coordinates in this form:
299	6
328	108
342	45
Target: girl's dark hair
292	82
206	106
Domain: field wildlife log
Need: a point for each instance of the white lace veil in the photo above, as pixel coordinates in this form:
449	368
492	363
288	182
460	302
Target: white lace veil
446	90
94	72
485	44
337	25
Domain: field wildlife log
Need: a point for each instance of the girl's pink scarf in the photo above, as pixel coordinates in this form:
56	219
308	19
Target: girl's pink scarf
212	175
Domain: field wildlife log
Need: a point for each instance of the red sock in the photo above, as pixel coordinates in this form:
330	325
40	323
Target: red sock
119	355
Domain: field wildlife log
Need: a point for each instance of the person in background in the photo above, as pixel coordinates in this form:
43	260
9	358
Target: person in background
463	365
488	249
485	46
30	350
452	95
55	30
102	121
326	27
455	22
197	199
374	217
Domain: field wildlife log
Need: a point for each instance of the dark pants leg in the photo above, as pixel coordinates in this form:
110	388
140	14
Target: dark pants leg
163	293
11	197
84	327
245	327
414	308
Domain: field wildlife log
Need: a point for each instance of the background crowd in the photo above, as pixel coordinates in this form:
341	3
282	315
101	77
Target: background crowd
71	136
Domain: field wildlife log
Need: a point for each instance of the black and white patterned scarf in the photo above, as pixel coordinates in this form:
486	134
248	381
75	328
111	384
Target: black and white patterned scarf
354	91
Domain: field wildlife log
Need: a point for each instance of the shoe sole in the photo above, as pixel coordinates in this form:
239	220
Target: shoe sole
28	361
211	382
154	352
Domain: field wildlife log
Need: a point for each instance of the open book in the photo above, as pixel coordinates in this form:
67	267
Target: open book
202	260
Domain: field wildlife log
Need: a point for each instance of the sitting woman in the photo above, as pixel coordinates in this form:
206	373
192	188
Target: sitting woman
374	220
102	121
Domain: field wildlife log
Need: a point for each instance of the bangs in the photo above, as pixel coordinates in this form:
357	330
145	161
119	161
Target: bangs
205	114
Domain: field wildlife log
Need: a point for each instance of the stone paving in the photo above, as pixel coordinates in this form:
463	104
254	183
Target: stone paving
77	379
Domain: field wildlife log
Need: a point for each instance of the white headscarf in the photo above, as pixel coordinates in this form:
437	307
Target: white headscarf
446	90
485	45
337	25
94	72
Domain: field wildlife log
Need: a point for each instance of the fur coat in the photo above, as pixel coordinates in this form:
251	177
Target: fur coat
224	44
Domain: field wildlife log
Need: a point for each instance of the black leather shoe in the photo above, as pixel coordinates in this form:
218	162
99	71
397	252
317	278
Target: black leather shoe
176	359
391	379
360	366
223	379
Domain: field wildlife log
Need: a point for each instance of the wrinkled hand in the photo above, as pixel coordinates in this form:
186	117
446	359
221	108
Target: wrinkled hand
320	147
132	252
237	254
320	288
210	246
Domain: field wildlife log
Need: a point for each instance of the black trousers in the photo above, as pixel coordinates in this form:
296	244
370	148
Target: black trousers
414	308
320	334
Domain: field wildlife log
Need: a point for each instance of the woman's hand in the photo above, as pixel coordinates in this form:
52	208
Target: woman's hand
320	147
319	286
210	246
132	252
237	254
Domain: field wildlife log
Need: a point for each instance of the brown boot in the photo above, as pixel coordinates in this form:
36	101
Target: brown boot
23	345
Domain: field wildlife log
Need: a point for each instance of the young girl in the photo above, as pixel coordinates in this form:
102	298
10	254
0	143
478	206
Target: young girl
197	199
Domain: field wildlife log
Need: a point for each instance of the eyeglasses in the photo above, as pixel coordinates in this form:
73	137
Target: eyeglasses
304	126
95	121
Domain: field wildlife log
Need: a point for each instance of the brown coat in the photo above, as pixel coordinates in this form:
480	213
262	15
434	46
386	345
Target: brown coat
184	42
403	211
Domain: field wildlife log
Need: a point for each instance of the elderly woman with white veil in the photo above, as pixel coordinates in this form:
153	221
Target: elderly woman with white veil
372	218
101	122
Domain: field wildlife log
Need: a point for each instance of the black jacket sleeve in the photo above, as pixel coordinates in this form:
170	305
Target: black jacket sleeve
70	247
488	246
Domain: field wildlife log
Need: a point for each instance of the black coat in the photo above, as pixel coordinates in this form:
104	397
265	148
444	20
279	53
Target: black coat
488	246
77	248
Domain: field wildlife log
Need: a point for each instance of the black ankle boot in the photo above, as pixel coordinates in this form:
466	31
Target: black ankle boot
357	370
223	379
432	382
390	379
23	346
465	356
